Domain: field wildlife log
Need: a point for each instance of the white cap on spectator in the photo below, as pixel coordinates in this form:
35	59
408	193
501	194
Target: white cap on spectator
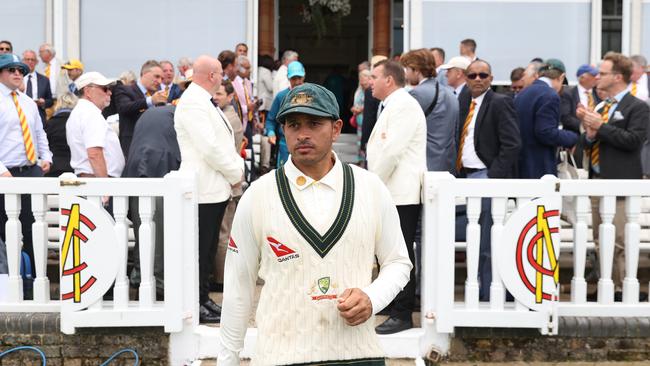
93	78
460	62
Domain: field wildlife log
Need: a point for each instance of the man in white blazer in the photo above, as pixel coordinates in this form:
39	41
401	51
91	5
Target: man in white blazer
207	146
396	152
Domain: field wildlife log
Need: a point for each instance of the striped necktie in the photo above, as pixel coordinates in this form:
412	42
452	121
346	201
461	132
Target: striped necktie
47	71
248	100
463	135
590	100
595	149
634	89
27	135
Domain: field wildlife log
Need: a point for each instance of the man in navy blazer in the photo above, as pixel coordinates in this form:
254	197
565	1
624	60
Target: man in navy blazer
538	109
172	90
132	100
37	86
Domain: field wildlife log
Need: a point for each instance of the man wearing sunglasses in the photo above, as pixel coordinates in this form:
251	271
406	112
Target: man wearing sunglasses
94	147
24	151
488	147
6	47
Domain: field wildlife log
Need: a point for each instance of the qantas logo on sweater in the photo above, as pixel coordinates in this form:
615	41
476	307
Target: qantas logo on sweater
283	252
232	246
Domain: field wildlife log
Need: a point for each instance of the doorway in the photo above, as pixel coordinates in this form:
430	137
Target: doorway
330	47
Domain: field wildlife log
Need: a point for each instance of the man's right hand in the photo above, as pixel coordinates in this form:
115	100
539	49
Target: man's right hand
272	140
159	97
6	174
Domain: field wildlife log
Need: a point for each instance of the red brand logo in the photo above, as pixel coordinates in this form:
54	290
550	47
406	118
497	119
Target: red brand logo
281	251
232	246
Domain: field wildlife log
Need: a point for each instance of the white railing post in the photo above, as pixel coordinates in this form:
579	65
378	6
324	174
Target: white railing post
606	237
146	243
497	290
13	234
437	289
473	237
181	251
520	202
578	283
121	288
39	243
632	237
99	305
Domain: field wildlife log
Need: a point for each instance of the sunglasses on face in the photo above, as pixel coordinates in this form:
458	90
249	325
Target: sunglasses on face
103	88
474	75
14	69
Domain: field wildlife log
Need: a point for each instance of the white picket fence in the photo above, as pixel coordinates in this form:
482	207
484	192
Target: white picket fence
442	192
442	309
180	245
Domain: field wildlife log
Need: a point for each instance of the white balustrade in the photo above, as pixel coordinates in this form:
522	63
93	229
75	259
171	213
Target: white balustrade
473	252
121	288
632	237
147	244
578	283
606	241
39	236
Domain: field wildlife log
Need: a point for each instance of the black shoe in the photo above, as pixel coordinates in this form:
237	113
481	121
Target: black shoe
207	316
618	296
393	325
212	306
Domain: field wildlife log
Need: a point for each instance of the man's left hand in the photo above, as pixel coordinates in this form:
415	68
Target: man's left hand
354	306
45	165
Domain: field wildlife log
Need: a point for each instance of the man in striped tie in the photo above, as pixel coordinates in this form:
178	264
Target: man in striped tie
613	136
24	151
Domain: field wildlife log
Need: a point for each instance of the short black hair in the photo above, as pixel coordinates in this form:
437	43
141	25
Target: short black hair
10	45
439	50
468	42
516	74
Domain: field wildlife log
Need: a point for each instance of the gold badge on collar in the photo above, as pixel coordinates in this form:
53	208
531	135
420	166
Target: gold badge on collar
301	98
301	180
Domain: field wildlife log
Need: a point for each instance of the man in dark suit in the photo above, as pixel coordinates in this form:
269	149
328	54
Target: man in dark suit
370	108
613	137
584	93
440	108
132	100
167	85
488	147
37	86
538	109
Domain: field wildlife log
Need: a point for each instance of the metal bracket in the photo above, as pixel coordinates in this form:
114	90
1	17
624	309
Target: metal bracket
67	183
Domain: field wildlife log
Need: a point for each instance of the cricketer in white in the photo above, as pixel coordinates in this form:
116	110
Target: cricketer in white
314	243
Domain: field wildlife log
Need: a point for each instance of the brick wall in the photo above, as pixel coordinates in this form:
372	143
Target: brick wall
579	340
89	346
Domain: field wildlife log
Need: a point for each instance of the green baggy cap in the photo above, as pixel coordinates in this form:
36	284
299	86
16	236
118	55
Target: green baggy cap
311	99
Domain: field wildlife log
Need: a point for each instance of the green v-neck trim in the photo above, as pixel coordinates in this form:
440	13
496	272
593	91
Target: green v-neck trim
321	244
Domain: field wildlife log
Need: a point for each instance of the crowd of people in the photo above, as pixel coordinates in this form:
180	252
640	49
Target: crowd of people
413	113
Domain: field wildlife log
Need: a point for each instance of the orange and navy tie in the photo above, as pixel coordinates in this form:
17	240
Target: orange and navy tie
595	149
463	135
634	89
27	135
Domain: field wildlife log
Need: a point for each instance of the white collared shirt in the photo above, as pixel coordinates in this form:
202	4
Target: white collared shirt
86	128
641	87
458	90
582	93
34	82
12	145
470	158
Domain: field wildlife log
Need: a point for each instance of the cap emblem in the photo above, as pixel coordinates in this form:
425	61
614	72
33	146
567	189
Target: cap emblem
301	99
